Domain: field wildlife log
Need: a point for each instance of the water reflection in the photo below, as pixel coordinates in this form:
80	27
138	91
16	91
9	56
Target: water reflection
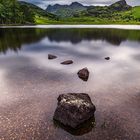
82	129
13	39
30	83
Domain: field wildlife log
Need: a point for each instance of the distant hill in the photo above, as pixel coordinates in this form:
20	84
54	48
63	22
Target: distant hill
120	6
19	12
36	10
75	13
136	12
66	10
76	9
107	11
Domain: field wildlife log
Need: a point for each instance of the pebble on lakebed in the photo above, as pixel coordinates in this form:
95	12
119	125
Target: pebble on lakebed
74	109
68	62
107	58
83	74
50	56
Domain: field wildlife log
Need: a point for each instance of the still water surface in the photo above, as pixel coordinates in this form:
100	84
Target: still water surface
30	83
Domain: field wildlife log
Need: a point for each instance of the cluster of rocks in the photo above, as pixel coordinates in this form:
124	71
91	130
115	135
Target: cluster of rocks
74	109
82	74
50	56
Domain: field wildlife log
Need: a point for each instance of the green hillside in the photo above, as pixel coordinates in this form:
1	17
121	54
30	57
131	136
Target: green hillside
64	11
12	13
76	9
133	14
40	16
103	15
36	10
117	13
15	12
136	12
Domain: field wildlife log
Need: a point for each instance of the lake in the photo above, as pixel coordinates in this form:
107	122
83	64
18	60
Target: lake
30	83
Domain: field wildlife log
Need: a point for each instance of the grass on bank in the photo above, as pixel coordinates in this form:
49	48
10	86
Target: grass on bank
84	20
126	17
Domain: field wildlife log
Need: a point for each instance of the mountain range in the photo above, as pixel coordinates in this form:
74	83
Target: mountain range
20	12
76	9
66	10
76	13
37	10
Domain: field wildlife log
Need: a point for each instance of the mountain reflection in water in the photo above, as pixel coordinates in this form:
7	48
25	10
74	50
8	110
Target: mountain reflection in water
14	38
30	83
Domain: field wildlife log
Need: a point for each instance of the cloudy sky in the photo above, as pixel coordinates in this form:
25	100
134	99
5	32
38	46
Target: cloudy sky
45	3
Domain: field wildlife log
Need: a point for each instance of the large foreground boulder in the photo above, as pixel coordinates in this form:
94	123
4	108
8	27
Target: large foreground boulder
50	56
83	74
74	109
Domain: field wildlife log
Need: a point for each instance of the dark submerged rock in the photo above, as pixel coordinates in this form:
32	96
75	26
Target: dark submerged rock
82	129
67	62
107	58
83	74
74	109
50	56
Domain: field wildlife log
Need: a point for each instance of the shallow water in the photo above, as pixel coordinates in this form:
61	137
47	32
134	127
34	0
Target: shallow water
30	83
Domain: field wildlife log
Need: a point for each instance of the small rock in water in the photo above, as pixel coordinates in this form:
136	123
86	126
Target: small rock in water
107	58
83	74
74	109
67	62
50	56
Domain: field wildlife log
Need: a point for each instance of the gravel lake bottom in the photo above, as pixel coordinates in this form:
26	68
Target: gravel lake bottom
30	83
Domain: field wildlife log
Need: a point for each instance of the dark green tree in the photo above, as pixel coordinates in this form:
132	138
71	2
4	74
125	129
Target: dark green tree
11	12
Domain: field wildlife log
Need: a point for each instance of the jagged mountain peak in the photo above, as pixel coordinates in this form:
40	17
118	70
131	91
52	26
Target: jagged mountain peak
122	2
120	5
75	8
76	4
66	10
